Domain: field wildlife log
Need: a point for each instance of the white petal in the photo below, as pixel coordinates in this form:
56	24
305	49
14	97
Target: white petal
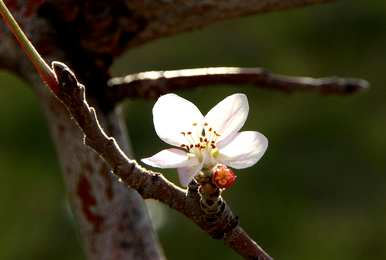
172	115
186	174
171	158
244	150
228	116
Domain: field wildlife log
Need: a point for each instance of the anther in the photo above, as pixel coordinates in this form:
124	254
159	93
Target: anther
191	146
205	124
213	146
183	133
210	129
189	133
201	139
194	124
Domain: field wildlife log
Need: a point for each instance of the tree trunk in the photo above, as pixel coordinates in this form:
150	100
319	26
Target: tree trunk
112	219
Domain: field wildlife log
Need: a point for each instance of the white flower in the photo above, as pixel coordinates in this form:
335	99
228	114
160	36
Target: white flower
204	141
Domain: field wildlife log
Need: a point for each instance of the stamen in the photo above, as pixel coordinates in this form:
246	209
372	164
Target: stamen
198	144
190	138
184	146
210	137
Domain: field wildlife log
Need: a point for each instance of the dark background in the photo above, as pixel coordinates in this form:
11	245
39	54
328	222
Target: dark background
318	192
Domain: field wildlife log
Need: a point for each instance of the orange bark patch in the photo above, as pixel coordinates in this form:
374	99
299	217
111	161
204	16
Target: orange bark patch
88	202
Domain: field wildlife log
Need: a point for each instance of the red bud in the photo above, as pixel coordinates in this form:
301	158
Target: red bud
223	177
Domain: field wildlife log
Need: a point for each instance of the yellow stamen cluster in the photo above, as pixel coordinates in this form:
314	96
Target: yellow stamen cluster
207	139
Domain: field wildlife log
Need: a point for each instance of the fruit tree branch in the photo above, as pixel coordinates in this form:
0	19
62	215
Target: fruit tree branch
223	225
152	84
157	19
114	26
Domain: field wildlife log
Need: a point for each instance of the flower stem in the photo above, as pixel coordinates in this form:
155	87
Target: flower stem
45	72
210	194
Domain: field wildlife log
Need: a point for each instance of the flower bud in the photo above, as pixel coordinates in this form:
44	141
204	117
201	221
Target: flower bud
222	176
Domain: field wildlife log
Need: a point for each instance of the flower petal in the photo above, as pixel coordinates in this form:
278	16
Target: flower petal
186	174
228	116
172	115
244	150
171	158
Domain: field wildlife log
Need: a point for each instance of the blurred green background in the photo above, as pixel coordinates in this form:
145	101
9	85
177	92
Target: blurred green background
319	191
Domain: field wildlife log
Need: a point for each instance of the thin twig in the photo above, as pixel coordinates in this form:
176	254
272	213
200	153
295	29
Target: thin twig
152	84
224	225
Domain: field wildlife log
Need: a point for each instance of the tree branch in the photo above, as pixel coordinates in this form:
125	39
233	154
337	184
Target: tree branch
222	225
152	84
190	14
114	26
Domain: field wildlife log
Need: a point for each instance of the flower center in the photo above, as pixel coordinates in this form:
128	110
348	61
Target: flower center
199	141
